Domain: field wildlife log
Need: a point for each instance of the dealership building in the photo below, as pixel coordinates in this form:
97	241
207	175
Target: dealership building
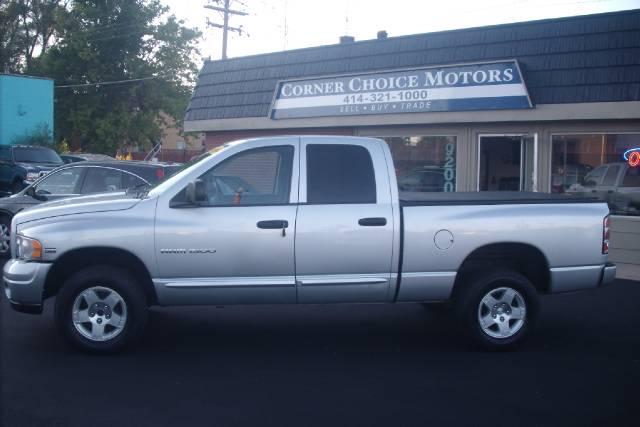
550	105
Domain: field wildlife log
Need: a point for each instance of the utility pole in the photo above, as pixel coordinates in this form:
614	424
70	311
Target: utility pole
226	11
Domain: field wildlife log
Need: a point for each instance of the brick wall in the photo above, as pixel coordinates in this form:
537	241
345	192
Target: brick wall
214	139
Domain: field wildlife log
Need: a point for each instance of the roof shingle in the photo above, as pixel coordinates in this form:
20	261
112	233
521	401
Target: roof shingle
593	58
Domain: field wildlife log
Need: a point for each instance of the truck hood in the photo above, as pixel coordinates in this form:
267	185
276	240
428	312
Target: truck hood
39	167
78	205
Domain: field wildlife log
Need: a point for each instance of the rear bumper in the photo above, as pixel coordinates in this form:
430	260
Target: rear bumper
24	284
569	279
608	274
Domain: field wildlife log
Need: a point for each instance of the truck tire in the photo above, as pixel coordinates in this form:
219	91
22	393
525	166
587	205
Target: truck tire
101	309
498	309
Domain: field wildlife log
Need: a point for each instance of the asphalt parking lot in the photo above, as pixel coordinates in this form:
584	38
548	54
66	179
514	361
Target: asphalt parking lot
352	365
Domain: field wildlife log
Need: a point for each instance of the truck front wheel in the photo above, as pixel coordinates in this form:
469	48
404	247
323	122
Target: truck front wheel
498	309
101	309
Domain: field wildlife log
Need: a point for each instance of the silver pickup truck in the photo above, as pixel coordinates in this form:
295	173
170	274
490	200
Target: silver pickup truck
304	220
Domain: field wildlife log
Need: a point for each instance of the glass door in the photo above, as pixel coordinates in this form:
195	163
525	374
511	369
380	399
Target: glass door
507	163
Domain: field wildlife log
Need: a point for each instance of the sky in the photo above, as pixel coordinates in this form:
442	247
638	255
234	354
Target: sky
276	25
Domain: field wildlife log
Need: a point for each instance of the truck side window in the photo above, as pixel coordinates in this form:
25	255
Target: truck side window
339	174
594	177
632	177
260	176
102	180
130	180
611	175
63	182
5	154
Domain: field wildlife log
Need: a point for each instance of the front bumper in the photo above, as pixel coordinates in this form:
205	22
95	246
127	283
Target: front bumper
24	284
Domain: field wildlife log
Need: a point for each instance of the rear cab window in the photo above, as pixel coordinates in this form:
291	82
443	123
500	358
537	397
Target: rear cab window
339	173
36	155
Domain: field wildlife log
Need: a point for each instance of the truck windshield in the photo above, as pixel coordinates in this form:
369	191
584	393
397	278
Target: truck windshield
36	155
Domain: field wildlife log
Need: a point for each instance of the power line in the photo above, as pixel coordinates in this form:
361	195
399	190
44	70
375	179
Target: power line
107	83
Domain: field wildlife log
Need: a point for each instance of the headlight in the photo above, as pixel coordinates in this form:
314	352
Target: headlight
32	176
28	248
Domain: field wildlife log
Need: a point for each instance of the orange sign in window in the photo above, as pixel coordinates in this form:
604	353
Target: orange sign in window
632	157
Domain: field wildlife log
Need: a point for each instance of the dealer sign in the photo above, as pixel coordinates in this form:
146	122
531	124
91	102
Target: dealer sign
468	87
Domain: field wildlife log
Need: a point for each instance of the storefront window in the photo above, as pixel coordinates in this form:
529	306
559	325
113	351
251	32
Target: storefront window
602	165
424	163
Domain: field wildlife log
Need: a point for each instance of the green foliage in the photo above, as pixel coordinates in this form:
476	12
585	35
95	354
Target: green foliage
62	146
40	136
27	29
111	41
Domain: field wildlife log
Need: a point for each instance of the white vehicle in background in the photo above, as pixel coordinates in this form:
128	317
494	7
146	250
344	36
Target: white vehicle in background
618	184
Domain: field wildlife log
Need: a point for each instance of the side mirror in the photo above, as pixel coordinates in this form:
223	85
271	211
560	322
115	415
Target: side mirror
36	194
589	183
196	192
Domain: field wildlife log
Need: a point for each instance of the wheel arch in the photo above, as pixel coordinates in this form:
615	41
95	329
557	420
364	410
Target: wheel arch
74	260
6	213
523	258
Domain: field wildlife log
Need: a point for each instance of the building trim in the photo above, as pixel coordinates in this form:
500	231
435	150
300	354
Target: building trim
542	112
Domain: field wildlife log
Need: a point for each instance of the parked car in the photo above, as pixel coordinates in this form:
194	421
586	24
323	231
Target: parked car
324	224
75	180
21	165
562	178
84	157
618	184
427	178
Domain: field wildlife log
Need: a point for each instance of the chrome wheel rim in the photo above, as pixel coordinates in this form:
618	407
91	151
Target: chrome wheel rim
99	313
502	312
5	238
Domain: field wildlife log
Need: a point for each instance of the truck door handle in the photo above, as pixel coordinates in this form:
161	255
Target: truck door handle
274	224
372	222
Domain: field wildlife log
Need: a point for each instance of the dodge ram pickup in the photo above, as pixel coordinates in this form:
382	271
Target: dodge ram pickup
307	220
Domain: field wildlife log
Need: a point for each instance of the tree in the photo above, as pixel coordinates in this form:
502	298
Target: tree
117	64
27	29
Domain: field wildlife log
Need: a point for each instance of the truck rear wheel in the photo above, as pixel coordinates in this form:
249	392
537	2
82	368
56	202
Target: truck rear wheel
498	309
101	309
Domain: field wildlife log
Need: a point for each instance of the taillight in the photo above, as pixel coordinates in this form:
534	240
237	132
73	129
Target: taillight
159	173
605	234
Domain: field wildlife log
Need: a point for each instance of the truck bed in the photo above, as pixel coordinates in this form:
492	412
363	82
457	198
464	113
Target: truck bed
491	198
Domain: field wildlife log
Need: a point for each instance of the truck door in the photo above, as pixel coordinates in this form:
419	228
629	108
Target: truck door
344	229
237	247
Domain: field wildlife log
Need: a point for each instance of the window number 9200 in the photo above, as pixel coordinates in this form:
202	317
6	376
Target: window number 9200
450	167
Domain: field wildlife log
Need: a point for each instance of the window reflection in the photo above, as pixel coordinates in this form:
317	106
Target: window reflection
593	164
424	163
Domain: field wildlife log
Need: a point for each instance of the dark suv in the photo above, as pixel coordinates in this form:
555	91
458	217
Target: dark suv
78	179
21	165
